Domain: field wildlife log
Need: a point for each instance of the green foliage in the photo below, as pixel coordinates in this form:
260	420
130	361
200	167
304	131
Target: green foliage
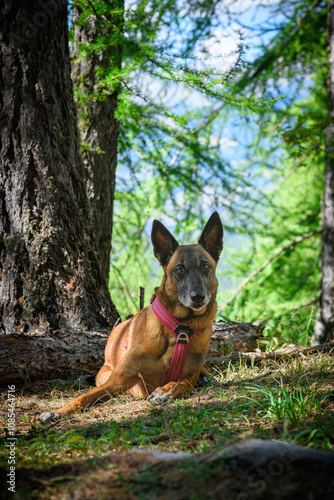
290	147
177	111
284	404
292	278
170	99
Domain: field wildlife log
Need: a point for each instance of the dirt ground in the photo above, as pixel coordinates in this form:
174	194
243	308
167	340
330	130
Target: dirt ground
129	449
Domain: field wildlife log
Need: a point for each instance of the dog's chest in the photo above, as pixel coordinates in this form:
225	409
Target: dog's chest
193	360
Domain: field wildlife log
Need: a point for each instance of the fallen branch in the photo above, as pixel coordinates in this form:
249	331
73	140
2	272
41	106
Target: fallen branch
230	337
24	358
255	358
28	357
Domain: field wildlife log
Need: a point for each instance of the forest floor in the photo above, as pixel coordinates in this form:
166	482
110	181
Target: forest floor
95	453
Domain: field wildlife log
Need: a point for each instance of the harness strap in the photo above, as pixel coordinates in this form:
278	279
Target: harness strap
183	335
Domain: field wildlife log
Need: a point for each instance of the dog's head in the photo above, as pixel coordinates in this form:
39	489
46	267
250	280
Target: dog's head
190	269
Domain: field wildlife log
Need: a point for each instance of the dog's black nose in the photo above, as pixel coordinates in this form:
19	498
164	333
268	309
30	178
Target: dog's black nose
197	298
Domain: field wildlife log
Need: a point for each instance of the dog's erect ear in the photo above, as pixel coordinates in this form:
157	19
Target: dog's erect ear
212	236
164	243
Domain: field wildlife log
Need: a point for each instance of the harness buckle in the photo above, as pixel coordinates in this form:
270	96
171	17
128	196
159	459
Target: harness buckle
183	333
182	338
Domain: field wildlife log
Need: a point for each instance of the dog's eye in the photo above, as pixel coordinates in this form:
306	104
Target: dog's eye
180	269
205	266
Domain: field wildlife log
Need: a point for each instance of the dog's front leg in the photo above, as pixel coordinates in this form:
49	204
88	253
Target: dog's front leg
81	402
122	378
173	390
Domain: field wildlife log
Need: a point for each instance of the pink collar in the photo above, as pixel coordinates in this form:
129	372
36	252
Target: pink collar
182	333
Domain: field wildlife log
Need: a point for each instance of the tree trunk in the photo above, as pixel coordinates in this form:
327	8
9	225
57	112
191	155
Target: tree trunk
69	354
97	123
325	325
50	277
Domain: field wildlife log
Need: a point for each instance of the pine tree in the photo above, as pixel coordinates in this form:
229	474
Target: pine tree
97	49
325	324
50	277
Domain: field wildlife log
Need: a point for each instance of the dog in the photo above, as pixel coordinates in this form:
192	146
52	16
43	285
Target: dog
139	351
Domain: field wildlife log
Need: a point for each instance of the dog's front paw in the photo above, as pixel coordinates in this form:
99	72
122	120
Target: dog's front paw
159	397
205	381
48	417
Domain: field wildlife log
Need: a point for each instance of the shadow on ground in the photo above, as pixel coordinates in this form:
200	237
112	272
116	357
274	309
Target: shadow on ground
247	470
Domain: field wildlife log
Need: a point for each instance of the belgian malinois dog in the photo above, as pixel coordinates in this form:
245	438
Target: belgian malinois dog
139	351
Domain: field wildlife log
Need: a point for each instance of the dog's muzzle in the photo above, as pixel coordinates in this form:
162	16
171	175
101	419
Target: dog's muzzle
197	299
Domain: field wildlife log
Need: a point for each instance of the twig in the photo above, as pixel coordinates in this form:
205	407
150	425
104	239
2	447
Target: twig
267	60
254	358
141	299
144	384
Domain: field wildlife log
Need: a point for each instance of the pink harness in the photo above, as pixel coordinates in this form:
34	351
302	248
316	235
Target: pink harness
183	335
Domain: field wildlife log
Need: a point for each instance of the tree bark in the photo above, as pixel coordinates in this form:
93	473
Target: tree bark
26	358
50	277
97	123
325	324
70	354
228	337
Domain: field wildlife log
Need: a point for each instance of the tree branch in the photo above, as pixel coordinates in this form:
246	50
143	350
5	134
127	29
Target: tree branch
294	308
278	252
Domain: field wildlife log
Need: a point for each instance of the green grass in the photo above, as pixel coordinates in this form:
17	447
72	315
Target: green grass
286	404
293	401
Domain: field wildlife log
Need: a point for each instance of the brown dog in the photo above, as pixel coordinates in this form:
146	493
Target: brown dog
139	351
